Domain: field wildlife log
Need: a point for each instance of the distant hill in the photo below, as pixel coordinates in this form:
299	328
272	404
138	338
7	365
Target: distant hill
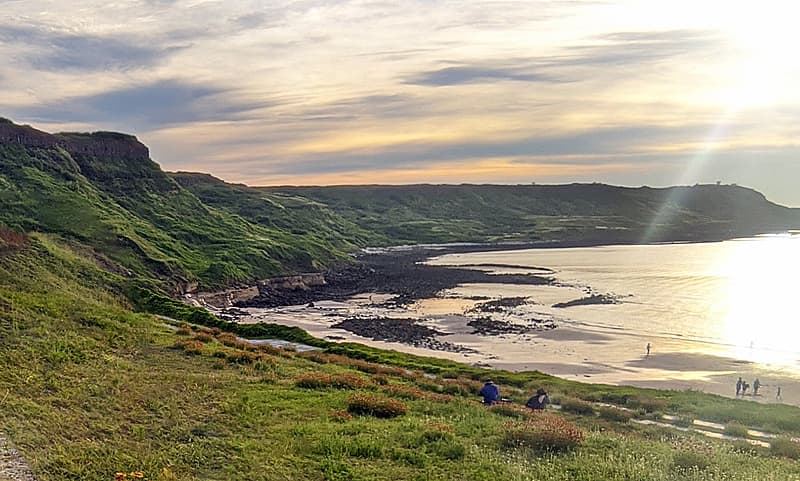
575	212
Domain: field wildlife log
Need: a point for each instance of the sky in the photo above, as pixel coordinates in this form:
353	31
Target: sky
350	92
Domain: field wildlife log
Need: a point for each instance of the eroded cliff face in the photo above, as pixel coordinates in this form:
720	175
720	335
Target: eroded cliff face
99	144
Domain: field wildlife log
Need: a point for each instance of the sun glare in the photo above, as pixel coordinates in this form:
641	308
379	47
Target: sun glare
765	35
757	302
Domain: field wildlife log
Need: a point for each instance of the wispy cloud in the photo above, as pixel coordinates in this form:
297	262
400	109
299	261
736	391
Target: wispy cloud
58	51
149	106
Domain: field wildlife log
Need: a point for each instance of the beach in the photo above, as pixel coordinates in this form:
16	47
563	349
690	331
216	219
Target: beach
496	313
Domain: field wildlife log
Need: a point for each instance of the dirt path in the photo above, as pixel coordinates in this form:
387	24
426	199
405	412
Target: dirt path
12	466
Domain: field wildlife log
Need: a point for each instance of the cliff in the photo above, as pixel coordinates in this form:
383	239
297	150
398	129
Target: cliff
99	144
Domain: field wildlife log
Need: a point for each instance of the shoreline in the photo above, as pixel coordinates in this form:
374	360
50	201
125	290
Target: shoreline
399	294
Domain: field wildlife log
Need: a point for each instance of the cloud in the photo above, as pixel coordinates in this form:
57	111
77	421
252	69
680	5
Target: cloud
58	51
149	106
615	49
479	73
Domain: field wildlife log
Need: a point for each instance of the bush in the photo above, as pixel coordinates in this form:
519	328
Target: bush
690	460
203	337
510	410
577	406
736	430
785	447
241	357
614	414
336	381
189	346
544	433
462	387
378	407
649	404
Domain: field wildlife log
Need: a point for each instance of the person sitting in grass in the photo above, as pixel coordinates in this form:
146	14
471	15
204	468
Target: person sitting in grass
539	400
490	392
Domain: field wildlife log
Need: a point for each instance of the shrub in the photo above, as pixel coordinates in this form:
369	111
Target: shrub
336	381
462	387
228	339
544	433
340	415
690	460
184	331
785	447
11	240
380	407
649	404
614	414
577	406
241	357
203	337
736	430
189	346
510	410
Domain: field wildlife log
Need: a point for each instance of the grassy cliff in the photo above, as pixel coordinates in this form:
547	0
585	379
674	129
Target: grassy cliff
102	190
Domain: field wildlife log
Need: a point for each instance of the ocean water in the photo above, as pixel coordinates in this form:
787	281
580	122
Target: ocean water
737	298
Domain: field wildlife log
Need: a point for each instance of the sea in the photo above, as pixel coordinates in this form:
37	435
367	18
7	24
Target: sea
737	299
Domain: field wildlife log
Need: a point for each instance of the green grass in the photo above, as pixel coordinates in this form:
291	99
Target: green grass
97	388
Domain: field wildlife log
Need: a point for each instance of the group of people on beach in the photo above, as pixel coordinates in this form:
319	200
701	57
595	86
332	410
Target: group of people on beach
490	392
742	387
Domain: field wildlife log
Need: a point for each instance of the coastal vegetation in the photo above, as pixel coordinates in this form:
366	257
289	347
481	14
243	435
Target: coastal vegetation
105	372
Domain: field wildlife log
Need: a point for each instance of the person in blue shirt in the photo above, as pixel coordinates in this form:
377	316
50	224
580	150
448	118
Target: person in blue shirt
490	392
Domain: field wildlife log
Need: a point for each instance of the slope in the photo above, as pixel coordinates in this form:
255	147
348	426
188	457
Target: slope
103	191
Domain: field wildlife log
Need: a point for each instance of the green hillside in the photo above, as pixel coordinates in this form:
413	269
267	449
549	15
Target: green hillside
95	389
102	191
576	212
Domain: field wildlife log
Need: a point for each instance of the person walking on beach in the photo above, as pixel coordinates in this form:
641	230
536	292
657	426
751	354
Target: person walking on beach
739	385
538	401
745	387
648	349
490	392
756	385
778	395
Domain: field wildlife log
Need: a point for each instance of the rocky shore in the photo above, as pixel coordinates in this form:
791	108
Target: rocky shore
406	331
399	273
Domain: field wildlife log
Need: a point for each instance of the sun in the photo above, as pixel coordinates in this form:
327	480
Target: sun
765	37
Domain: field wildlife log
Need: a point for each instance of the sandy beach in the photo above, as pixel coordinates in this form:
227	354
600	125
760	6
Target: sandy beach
482	308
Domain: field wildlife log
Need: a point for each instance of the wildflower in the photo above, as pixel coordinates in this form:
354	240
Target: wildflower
137	475
119	476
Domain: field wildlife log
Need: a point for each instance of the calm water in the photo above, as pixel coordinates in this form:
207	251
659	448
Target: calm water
738	298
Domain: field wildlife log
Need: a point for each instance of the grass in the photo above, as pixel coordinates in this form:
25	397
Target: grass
99	389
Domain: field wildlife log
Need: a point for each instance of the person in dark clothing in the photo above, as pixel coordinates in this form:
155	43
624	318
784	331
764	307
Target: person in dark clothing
490	392
539	400
739	386
756	387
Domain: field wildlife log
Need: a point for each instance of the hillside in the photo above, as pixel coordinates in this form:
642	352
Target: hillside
102	192
578	212
96	389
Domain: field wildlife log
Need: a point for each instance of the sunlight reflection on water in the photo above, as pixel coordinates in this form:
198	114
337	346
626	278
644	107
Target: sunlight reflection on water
736	298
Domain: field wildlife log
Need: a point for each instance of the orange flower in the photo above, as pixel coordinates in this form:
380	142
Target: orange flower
137	475
119	476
